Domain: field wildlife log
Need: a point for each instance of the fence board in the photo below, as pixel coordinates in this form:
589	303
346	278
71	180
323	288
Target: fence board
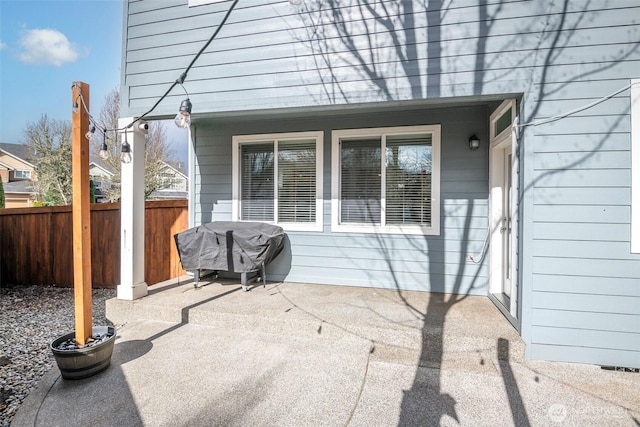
163	219
36	244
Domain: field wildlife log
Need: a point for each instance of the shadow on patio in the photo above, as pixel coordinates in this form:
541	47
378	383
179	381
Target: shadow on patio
292	353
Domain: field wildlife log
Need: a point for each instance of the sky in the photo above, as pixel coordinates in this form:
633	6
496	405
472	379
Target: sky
45	46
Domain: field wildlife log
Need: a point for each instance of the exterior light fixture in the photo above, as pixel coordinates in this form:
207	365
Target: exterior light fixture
90	132
125	153
474	142
183	118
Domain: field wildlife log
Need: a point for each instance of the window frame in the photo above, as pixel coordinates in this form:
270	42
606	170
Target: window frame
383	132
23	172
239	140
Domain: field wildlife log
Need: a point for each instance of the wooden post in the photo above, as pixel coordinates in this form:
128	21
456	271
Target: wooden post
80	209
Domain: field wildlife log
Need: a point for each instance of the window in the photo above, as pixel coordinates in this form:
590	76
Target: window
168	181
278	179
24	174
386	180
502	119
635	166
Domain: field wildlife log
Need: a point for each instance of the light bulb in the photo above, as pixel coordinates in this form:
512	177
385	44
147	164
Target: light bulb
104	151
75	108
90	132
183	118
125	154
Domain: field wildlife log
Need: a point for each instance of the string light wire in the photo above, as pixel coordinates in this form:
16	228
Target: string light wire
183	76
577	110
179	81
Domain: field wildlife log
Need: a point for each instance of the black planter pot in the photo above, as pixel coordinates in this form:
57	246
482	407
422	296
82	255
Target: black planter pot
84	362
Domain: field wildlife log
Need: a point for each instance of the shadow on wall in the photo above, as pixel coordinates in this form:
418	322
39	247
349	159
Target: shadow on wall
280	267
333	34
277	270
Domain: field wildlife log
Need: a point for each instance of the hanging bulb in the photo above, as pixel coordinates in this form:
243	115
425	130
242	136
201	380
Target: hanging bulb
183	118
90	132
104	151
75	108
125	153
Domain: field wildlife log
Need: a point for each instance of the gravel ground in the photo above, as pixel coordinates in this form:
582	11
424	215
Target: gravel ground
31	318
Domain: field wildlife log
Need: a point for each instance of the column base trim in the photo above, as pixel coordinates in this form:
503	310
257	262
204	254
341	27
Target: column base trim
131	293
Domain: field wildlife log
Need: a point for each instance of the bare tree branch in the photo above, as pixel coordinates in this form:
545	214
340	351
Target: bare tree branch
49	144
157	150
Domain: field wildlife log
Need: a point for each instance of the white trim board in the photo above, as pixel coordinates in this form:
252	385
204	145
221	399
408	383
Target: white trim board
635	166
239	140
337	135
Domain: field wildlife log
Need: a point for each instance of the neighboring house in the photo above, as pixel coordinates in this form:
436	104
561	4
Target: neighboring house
173	183
100	173
459	147
17	172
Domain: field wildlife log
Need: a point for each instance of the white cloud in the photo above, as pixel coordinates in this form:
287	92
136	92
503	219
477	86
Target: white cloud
2	45
46	47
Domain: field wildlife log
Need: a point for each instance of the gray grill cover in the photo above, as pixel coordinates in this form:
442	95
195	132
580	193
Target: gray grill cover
238	247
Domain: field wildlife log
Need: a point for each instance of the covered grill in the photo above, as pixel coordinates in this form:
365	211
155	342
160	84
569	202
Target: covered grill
238	247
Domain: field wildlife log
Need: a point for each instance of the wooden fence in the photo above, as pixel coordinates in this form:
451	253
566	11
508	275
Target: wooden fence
36	244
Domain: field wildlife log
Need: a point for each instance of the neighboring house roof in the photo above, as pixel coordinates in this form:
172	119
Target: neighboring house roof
104	167
19	187
178	167
18	151
169	194
5	166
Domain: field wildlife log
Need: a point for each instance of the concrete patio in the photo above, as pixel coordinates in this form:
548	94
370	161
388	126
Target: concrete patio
292	354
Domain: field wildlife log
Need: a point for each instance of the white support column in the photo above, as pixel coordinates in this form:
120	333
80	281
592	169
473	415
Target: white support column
132	285
191	143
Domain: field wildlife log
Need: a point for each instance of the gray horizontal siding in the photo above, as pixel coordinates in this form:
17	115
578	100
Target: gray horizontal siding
584	295
614	304
578	277
436	263
583	160
601	196
263	49
577	249
580	178
581	336
589	232
566	266
583	354
591	321
582	143
587	284
586	214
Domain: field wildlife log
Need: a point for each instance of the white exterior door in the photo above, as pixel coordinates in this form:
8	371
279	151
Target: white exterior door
507	221
502	213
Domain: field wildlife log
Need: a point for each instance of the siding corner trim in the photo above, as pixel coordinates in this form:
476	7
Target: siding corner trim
635	166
